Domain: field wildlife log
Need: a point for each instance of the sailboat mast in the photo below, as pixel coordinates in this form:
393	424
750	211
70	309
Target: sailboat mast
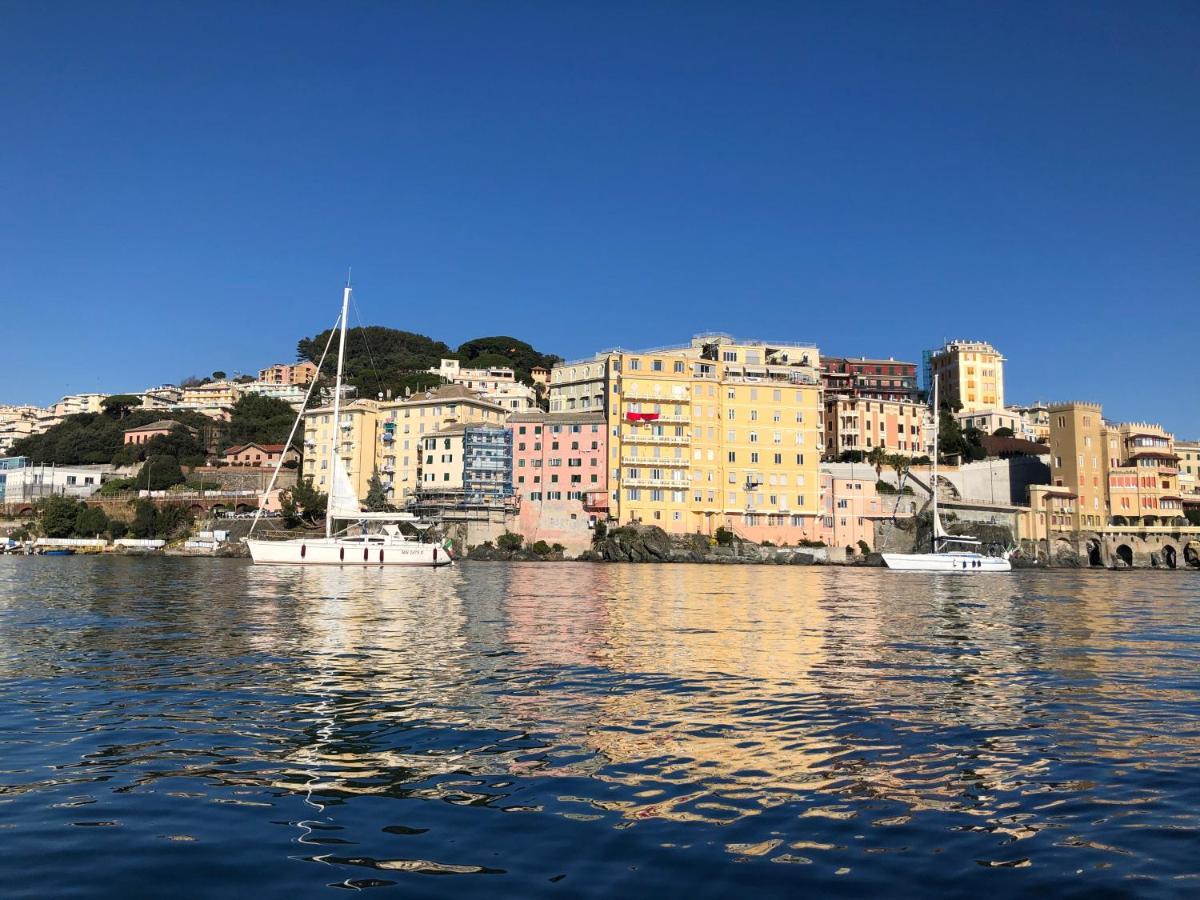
937	426
337	412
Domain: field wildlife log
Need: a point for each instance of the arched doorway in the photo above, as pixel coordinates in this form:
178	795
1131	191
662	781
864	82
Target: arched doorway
1095	557
1170	560
1125	555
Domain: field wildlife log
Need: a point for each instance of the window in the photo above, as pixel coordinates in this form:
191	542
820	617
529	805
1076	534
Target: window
732	456
656	365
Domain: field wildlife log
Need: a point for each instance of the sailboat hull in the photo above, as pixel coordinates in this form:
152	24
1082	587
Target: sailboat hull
335	552
957	563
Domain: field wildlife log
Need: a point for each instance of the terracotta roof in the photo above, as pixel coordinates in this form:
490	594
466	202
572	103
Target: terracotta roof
160	425
574	417
268	448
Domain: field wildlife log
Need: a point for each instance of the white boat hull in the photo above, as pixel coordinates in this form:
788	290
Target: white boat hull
960	563
339	552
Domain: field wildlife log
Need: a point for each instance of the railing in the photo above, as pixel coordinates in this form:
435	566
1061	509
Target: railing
647	394
653	462
656	439
656	483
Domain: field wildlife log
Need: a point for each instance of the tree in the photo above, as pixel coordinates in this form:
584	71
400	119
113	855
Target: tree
302	503
377	500
90	521
160	473
118	406
878	457
58	516
502	350
219	375
380	359
1192	515
1004	431
260	420
851	456
144	515
91	438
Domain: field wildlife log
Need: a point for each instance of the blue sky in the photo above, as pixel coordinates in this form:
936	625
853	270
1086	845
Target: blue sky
182	186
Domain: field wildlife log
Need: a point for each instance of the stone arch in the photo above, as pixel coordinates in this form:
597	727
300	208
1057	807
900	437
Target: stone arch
1095	554
1124	555
1169	557
1149	520
26	511
196	509
1191	554
217	508
244	508
1063	548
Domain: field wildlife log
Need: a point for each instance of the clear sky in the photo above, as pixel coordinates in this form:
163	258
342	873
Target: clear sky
182	185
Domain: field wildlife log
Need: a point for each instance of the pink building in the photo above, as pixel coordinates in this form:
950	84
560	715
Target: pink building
560	456
850	507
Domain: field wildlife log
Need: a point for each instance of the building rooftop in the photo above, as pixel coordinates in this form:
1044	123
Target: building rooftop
160	425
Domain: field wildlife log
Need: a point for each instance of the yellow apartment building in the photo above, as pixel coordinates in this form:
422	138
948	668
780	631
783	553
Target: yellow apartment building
716	432
970	375
1078	460
357	436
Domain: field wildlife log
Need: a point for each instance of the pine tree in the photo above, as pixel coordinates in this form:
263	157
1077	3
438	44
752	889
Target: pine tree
376	496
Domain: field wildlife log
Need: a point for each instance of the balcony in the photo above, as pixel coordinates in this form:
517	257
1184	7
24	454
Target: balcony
388	469
684	419
653	462
648	393
672	439
387	437
665	483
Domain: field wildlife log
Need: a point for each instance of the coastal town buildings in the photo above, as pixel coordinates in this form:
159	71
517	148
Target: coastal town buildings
16	423
298	373
713	433
970	375
214	399
497	384
292	394
77	404
989	421
405	422
850	508
25	482
164	396
467	464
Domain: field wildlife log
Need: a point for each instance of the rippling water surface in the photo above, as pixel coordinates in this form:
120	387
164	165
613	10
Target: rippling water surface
203	727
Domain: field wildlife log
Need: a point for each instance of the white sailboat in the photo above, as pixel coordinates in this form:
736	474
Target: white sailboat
387	547
944	559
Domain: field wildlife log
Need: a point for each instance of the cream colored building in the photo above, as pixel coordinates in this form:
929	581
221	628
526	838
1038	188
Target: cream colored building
990	420
716	432
970	375
1035	422
1189	467
498	384
16	423
77	404
214	400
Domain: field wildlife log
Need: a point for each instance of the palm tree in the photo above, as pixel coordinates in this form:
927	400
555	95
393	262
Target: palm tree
878	457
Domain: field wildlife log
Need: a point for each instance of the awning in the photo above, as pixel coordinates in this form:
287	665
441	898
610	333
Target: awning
641	417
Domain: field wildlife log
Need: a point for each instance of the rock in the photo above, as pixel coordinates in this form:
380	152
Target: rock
802	559
873	559
589	556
